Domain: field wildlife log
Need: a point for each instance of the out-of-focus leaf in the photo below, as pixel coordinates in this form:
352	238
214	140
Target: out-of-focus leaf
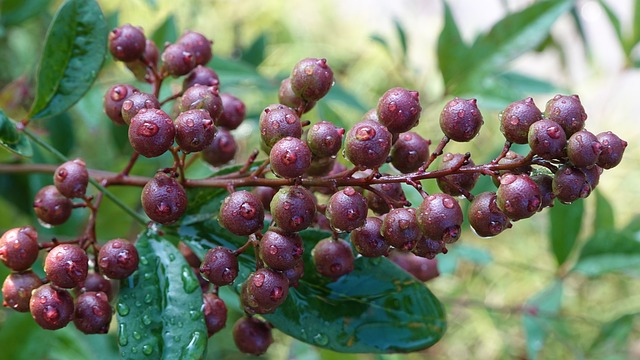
524	84
74	51
537	321
615	23
339	94
160	306
566	221
166	32
452	51
577	20
613	335
234	72
636	22
609	251
402	37
254	54
380	40
326	113
15	188
62	133
13	140
13	12
605	217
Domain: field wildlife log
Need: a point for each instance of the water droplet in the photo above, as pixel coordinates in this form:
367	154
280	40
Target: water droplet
136	335
146	320
172	257
448	203
461	113
147	349
148	129
148	298
258	279
123	339
195	315
392	106
189	282
321	339
144	261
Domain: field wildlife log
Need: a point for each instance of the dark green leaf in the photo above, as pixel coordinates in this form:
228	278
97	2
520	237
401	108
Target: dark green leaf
566	221
166	32
540	312
402	37
609	251
615	23
254	54
13	140
614	334
233	72
326	113
605	217
339	94
16	11
577	20
61	132
380	40
74	51
159	307
636	22
452	51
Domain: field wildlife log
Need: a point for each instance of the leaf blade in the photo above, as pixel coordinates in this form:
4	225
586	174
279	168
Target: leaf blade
566	222
608	251
451	50
537	322
12	139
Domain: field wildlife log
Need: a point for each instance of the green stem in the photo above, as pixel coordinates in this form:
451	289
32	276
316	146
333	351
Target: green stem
139	218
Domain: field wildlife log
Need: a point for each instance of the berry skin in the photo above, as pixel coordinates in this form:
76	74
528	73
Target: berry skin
201	75
198	45
265	194
219	266
567	111
570	184
295	273
293	208
222	149
234	112
544	183
287	97
66	266
290	157
136	102
311	79
346	210
127	43
263	291
460	119
93	313
612	150
518	196
324	139
399	109
321	166
277	122
450	184
252	336
485	217
71	178
215	313
19	248
583	148
50	307
333	258
593	175
51	206
141	66
113	100
151	132
164	200
177	60
377	204
96	282
429	248
367	144
279	250
547	139
242	213
423	269
400	228
203	97
17	288
409	152
194	130
118	259
516	119
192	259
367	239
439	217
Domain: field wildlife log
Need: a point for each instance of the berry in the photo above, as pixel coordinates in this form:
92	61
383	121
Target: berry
428	248
192	259
612	150
321	166
234	112
118	259
92	313
201	75
279	250
391	190
333	258
570	184
547	139
439	217
50	307
215	313
454	183
409	152
198	45
51	206
151	132
177	60
367	239
516	119
346	210
287	97
136	102
263	291
399	109
219	266
290	157
127	42
567	111
485	217
113	100
324	139
17	288
423	269
372	115
518	196
19	248
203	97
252	336
164	200
544	183
400	228
242	213
141	66
96	282
66	266
293	208
583	148
71	178
367	144
311	79
295	273
265	194
194	130
277	122
593	175
222	149
460	120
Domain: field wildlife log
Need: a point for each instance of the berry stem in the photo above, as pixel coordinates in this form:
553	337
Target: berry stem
434	155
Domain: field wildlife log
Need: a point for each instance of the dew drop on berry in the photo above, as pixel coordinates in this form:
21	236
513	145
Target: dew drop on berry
258	280
448	203
148	129
276	293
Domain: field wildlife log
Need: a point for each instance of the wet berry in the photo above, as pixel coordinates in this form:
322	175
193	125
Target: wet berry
51	206
333	258
252	336
346	210
151	132
96	282
19	248
66	266
265	194
164	200
567	111
593	175
367	144
92	313
241	213
485	217
544	183
399	109
439	217
460	119
612	150
311	79
518	196
177	60
219	266
118	259
368	240
234	112
583	148
136	102
454	183
127	42
293	208
376	203
194	130
295	273
279	250
428	248
516	119
71	178
201	75
290	157
215	313
277	122
17	288
50	307
570	184
547	139
423	269
113	100
263	291
222	149
198	45
203	97
287	97
409	152
324	139
400	228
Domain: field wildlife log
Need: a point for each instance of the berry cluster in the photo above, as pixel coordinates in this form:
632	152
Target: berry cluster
302	183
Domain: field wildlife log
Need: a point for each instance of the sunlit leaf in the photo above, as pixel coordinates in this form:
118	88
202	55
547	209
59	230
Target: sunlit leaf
614	335
566	221
452	51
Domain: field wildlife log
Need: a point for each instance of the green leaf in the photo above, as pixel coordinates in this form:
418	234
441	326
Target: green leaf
614	335
609	251
74	50
605	217
615	23
326	113
537	321
166	32
452	50
566	221
255	53
12	139
402	37
16	11
233	72
636	22
159	307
